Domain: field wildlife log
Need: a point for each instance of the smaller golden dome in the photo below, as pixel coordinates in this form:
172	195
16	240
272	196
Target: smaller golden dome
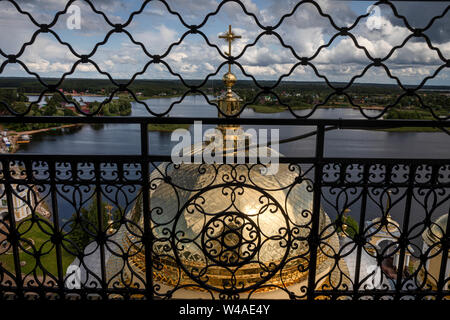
436	231
229	79
390	222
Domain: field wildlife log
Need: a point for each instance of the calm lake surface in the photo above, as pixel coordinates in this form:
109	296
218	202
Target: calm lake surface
125	138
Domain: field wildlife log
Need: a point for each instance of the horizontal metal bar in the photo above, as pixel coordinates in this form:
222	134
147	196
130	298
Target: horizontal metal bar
340	123
134	159
88	290
132	291
378	293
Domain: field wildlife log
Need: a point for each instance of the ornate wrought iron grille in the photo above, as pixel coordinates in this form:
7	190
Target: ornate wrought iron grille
416	187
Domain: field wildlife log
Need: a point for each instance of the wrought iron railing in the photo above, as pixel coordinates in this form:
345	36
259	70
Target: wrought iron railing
417	188
160	222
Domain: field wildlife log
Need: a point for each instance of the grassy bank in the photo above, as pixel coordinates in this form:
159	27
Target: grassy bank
42	246
158	97
277	109
411	114
162	97
410	129
266	109
167	127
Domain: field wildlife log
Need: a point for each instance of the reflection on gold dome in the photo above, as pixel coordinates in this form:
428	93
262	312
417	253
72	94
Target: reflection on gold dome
429	274
435	232
229	79
230	228
231	236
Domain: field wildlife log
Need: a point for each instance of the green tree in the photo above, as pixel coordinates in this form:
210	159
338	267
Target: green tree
352	226
56	100
12	98
85	226
50	109
8	95
117	107
69	112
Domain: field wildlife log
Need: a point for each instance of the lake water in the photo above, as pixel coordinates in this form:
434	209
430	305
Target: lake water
125	138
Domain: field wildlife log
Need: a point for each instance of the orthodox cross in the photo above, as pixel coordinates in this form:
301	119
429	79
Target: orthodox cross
230	37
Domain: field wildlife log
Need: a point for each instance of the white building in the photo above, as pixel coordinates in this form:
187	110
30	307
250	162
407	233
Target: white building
384	239
432	237
21	208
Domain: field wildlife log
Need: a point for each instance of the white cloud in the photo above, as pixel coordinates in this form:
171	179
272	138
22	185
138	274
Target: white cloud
305	31
158	40
86	68
208	66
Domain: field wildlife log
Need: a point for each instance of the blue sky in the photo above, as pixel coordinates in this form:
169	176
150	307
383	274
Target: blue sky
305	31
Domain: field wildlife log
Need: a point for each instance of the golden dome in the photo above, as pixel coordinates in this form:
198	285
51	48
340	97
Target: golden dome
436	231
230	226
229	79
391	224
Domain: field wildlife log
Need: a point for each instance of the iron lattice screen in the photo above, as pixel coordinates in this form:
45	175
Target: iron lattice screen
309	260
378	62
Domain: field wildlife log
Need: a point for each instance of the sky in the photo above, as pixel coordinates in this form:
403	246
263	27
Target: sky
156	28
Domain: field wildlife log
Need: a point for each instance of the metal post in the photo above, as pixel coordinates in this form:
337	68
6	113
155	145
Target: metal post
362	219
14	232
100	230
56	228
404	231
147	237
314	240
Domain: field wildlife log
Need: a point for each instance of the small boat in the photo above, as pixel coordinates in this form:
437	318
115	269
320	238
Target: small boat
7	142
24	139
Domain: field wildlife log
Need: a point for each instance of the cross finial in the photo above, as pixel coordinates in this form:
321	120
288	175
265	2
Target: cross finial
230	37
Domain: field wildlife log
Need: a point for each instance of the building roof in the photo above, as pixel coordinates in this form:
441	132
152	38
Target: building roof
436	231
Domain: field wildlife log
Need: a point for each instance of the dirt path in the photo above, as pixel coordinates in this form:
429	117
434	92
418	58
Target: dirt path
14	135
30	132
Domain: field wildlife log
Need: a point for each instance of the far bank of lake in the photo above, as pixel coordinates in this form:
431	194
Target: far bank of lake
124	138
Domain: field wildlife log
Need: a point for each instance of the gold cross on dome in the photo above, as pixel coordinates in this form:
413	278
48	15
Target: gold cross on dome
230	37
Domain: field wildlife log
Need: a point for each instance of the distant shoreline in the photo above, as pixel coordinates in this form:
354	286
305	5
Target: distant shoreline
31	132
139	98
16	134
70	94
264	109
277	109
